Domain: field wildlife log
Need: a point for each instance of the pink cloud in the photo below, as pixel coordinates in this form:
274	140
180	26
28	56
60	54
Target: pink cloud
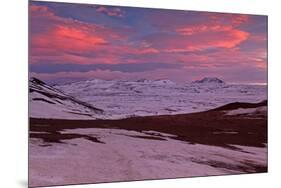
64	38
223	36
64	35
116	12
226	18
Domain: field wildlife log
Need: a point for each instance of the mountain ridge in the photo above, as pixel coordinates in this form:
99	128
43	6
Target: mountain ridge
55	103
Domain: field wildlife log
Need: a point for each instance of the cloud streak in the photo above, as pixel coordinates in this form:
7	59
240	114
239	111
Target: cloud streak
139	67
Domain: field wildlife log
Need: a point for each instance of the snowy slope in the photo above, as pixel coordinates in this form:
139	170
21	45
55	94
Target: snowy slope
155	97
48	102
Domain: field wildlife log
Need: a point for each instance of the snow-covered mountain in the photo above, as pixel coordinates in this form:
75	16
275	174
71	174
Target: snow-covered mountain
209	80
144	97
48	102
115	99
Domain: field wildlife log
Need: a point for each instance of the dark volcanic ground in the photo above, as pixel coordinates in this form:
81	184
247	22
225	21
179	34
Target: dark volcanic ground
210	128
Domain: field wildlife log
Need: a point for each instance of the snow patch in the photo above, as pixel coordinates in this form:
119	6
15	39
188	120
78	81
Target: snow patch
250	111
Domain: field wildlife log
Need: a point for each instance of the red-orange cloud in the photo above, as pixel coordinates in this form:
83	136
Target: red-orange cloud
229	36
78	38
66	39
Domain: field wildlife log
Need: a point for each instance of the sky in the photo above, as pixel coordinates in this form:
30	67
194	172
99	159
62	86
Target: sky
71	42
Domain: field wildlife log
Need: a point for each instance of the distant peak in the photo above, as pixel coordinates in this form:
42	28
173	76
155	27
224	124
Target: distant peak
142	80
209	80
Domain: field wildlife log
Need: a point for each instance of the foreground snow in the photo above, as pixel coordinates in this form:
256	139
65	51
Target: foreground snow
125	155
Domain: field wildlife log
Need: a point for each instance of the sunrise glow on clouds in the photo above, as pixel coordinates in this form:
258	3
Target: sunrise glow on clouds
75	41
